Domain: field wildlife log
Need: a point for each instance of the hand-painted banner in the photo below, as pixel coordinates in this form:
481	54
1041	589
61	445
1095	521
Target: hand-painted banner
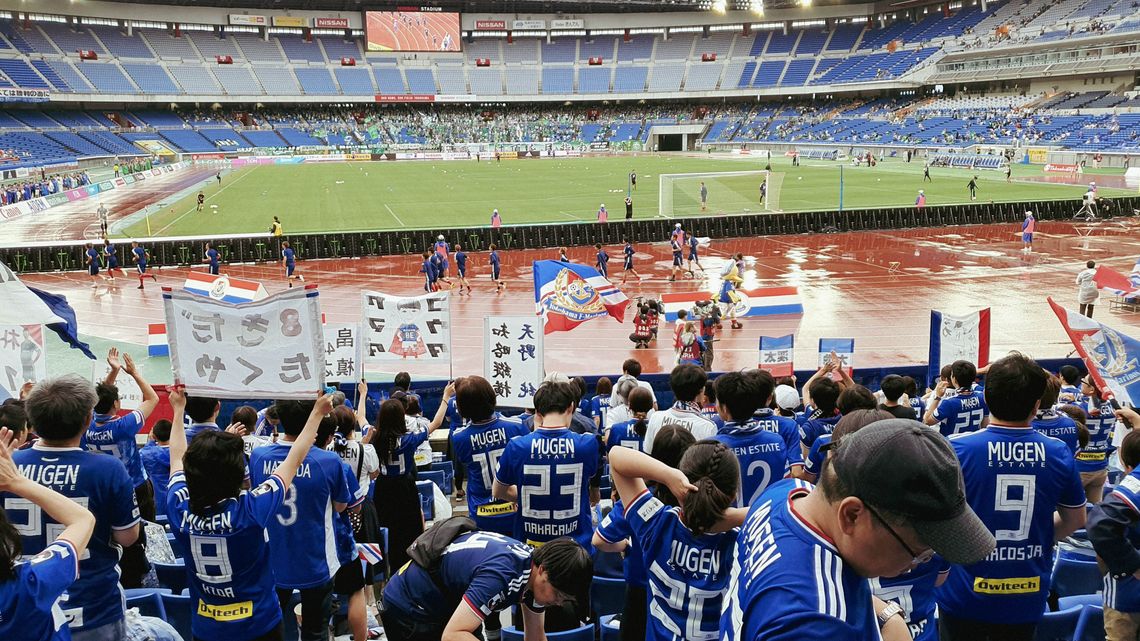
776	354
342	353
396	328
964	337
512	359
271	348
844	348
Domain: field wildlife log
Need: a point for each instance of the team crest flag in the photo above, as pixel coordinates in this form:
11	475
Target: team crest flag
763	301
1116	283
224	288
776	354
844	348
963	337
1111	357
568	294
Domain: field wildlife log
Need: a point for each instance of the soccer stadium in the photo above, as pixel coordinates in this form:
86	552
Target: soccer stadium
625	319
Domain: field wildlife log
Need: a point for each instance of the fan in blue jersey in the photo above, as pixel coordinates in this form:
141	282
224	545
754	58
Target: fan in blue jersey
61	410
203	412
223	528
914	592
963	412
156	461
1092	461
1115	534
112	434
1025	487
30	589
1050	422
631	433
302	541
600	403
761	453
478	445
210	257
552	472
1070	385
890	497
821	407
769	420
916	402
478	575
687	550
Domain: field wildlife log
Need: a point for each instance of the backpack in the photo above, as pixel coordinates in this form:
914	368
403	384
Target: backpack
427	550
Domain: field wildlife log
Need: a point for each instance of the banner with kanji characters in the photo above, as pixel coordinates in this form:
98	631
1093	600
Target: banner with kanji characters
513	358
776	354
844	349
271	348
342	359
396	328
22	357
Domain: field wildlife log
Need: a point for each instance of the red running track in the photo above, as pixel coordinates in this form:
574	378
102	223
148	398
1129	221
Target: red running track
847	282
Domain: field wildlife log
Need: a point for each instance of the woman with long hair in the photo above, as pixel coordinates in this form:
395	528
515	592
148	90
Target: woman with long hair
704	527
361	458
396	499
631	433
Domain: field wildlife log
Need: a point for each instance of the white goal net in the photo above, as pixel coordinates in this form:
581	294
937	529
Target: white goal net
731	192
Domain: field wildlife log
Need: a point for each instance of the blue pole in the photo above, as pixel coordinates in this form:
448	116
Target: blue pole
840	187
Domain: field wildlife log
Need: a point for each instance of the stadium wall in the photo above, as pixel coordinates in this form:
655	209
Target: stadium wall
254	248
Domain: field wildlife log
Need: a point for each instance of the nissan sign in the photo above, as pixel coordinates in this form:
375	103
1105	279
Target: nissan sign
331	23
491	25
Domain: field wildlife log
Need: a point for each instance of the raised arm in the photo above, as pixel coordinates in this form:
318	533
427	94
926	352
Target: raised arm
177	398
441	412
113	362
823	370
300	449
150	397
629	470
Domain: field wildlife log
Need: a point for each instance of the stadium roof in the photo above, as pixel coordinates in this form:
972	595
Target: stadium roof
488	6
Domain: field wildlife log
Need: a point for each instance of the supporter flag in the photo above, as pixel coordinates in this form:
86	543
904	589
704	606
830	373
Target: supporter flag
764	301
776	354
844	348
1116	283
952	338
568	294
370	553
156	344
25	305
224	288
1111	357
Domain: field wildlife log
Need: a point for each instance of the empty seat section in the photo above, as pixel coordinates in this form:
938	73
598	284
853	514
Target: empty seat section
210	45
169	47
107	78
76	143
354	81
798	71
718	43
277	81
704	76
781	43
630	79
600	47
50	75
296	138
522	82
482	48
557	80
315	81
67	72
420	81
844	38
194	79
36	148
121	45
769	73
666	78
747	74
337	48
255	49
73	118
811	42
188	140
35	119
390	80
158	119
487	81
225	139
263	138
525	50
678	47
637	48
69	41
296	49
30	40
452	79
237	81
559	51
594	79
151	78
22	74
759	44
113	142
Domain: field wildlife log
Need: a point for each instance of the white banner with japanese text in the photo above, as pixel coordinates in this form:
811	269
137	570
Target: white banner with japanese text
342	358
397	328
271	348
513	358
23	358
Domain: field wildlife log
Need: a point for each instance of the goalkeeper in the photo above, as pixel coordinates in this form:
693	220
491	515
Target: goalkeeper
730	280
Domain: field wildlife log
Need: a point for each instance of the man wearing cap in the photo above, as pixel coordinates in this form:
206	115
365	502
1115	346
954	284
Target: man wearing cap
1027	228
890	496
1026	489
443	250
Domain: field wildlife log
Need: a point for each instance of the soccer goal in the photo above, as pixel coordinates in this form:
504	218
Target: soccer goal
732	192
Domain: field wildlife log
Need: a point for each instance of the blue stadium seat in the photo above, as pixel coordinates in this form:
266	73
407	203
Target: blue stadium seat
1066	602
427	499
439	478
179	612
1090	625
584	633
1058	626
610	628
1075	576
448	469
171	575
148	601
607	595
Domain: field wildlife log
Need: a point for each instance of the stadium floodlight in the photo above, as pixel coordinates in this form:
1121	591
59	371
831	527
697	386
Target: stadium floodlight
757	7
719	6
805	3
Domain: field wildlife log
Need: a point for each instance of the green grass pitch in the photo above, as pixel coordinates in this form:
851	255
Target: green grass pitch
330	197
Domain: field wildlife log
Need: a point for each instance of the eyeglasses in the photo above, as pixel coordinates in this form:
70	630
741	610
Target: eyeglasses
1087	382
916	558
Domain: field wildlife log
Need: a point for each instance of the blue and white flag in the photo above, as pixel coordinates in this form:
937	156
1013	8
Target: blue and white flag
1112	358
964	337
844	348
25	305
568	294
776	353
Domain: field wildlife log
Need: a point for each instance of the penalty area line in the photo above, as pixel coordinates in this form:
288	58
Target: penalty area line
394	215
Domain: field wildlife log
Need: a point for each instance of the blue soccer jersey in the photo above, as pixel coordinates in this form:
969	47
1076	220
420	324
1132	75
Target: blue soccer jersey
814	427
1122	595
761	455
99	483
485	570
402	459
1059	426
227	561
625	435
552	468
789	431
788	582
919	407
156	462
961	413
302	541
616	528
1100	423
1015	479
342	522
111	253
29	601
289	256
914	592
813	464
687	573
599	408
461	262
196	428
478	447
115	435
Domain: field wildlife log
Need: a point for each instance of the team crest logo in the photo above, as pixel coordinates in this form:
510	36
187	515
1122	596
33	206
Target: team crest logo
574	297
219	287
1111	355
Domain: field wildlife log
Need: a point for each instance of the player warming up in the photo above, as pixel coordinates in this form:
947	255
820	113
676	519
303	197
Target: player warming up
141	256
289	260
603	261
461	269
627	268
496	276
201	201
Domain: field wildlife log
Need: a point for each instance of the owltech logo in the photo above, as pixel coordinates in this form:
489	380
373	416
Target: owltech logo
1016	585
227	612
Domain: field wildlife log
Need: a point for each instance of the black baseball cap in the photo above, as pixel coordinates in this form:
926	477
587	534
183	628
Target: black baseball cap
905	468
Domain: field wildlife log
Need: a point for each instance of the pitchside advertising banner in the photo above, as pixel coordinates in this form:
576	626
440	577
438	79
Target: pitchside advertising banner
567	24
398	328
256	21
264	349
512	362
331	23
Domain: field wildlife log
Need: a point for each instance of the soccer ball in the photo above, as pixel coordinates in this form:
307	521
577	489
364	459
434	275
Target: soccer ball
799	177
